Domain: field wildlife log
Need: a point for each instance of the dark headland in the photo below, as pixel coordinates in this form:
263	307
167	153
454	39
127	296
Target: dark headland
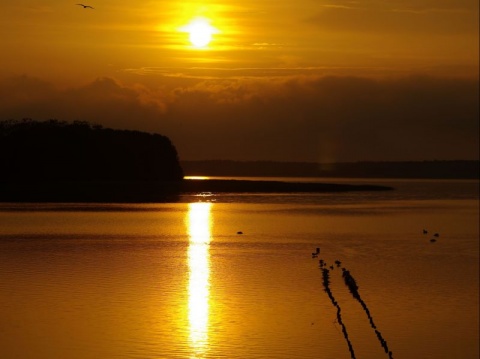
56	161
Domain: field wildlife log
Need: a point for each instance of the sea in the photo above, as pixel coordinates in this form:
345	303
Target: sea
237	275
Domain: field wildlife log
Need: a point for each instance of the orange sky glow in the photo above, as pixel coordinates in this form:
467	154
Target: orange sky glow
299	81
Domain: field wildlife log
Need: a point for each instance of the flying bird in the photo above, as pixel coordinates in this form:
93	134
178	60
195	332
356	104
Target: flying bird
85	6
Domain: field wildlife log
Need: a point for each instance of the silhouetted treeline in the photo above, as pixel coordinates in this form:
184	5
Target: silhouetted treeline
59	151
414	169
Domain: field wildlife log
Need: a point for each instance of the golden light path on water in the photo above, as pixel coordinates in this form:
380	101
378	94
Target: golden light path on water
199	223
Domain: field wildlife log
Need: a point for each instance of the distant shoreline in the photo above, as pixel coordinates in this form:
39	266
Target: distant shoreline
155	191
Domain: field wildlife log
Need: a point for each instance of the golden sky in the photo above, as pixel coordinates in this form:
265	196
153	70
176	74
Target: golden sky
284	69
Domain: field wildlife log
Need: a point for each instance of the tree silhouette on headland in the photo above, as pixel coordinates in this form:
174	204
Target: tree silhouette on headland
56	161
60	151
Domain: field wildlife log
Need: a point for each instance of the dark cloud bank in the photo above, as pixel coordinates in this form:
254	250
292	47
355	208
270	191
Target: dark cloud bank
310	119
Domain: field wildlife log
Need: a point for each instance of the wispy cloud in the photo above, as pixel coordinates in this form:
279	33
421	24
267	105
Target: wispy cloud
271	73
392	18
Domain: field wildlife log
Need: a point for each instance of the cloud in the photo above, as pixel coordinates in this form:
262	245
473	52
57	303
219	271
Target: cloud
334	118
103	101
290	118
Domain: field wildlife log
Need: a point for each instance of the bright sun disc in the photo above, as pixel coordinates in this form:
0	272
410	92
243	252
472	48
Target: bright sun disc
200	32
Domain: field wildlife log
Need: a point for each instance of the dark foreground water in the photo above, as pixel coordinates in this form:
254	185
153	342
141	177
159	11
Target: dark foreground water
175	280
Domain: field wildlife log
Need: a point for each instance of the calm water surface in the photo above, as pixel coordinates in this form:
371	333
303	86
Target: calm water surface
175	280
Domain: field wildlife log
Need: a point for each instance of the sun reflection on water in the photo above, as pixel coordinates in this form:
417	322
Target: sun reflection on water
199	223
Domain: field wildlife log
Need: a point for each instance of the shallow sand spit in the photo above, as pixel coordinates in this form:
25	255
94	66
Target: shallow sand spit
272	186
154	191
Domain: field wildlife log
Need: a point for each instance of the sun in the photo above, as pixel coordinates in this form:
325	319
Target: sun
200	32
